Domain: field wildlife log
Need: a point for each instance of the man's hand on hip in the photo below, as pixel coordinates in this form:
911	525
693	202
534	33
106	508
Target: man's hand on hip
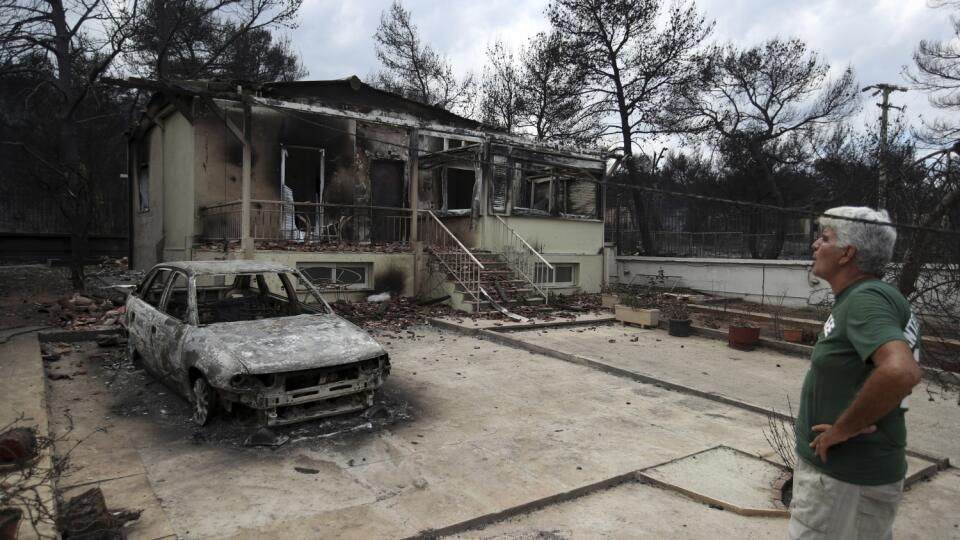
830	436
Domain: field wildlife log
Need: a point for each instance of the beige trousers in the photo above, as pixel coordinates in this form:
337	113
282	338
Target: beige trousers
826	508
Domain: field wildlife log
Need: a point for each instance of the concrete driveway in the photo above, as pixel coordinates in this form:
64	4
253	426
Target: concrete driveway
468	430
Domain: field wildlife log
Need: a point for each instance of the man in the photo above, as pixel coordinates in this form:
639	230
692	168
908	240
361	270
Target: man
851	435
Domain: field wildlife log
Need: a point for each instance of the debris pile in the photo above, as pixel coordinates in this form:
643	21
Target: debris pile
289	245
396	314
86	516
81	312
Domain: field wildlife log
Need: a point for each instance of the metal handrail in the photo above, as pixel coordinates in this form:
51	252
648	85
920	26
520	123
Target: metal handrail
518	253
515	233
455	239
459	262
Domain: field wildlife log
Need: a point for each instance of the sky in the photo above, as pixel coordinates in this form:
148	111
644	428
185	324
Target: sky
877	37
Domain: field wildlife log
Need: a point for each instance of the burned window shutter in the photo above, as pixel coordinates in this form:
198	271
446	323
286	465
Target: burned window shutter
501	184
581	197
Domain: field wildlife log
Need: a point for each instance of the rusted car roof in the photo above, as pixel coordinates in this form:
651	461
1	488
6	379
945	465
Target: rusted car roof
200	268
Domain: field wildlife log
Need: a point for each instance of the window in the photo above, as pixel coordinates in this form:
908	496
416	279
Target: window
336	276
564	275
542	191
154	289
460	188
177	304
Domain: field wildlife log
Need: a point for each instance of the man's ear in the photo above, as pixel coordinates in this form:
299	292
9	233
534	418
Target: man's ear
849	254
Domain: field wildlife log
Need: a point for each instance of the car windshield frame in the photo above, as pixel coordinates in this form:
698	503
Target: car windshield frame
290	291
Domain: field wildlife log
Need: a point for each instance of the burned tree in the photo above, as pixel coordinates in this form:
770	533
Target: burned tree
63	49
500	101
412	68
191	39
757	99
552	93
66	47
635	65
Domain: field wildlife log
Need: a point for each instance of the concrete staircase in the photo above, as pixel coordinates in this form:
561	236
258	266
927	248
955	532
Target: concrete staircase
507	288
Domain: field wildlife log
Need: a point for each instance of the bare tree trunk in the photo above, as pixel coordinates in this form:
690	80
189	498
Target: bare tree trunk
75	197
913	259
773	249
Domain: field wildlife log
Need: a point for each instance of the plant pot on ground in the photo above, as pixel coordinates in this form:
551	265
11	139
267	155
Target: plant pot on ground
793	335
679	319
609	300
642	310
742	335
638	316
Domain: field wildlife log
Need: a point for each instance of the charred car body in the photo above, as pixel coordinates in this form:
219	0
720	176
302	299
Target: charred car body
252	333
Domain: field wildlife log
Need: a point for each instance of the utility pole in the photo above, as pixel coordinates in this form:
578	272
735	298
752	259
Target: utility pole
884	90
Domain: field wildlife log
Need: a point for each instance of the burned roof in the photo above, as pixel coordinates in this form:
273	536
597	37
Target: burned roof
202	268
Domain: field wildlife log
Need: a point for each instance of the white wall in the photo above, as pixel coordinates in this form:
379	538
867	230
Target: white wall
752	279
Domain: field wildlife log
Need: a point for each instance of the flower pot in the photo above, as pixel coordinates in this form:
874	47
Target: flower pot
609	300
743	337
793	335
638	316
679	327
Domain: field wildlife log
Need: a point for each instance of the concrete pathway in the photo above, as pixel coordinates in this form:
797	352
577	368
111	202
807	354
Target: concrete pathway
22	385
760	377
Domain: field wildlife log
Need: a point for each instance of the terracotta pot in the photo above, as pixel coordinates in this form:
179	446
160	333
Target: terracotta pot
679	327
743	337
17	445
793	335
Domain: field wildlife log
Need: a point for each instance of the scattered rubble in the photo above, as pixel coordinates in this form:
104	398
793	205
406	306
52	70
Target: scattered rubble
86	517
396	314
82	312
290	245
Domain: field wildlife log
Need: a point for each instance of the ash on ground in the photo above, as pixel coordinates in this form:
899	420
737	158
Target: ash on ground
135	393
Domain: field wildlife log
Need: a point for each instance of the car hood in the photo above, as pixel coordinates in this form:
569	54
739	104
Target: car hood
294	343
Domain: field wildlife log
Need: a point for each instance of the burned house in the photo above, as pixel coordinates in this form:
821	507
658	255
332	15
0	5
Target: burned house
363	191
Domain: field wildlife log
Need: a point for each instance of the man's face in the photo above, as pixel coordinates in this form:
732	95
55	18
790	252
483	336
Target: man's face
828	257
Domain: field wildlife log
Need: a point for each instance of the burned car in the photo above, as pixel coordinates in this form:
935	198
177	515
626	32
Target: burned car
251	333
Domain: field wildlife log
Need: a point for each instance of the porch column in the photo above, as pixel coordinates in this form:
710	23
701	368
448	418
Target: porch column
246	242
414	161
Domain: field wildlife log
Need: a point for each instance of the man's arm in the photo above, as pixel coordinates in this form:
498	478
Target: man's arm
894	375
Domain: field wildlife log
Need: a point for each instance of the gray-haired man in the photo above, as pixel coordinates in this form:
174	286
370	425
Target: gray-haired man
851	435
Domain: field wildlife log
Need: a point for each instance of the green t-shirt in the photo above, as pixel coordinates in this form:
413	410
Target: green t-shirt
865	316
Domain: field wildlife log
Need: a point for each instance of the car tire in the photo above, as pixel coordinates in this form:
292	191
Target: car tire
204	401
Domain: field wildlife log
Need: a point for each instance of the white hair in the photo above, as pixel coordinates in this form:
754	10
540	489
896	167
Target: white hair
872	237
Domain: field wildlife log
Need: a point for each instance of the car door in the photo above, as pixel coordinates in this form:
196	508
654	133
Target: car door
172	325
142	314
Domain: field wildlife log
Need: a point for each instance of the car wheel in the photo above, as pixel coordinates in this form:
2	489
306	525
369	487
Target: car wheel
204	401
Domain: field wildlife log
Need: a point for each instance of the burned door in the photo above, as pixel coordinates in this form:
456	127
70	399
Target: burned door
386	187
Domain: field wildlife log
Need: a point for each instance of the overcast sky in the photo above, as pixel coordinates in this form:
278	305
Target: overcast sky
877	37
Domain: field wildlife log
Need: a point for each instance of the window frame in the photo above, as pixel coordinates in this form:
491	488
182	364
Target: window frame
574	275
302	267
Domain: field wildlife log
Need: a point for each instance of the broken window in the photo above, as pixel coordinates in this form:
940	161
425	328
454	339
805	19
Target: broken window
153	291
459	188
301	180
581	197
387	190
336	276
176	304
244	297
546	192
